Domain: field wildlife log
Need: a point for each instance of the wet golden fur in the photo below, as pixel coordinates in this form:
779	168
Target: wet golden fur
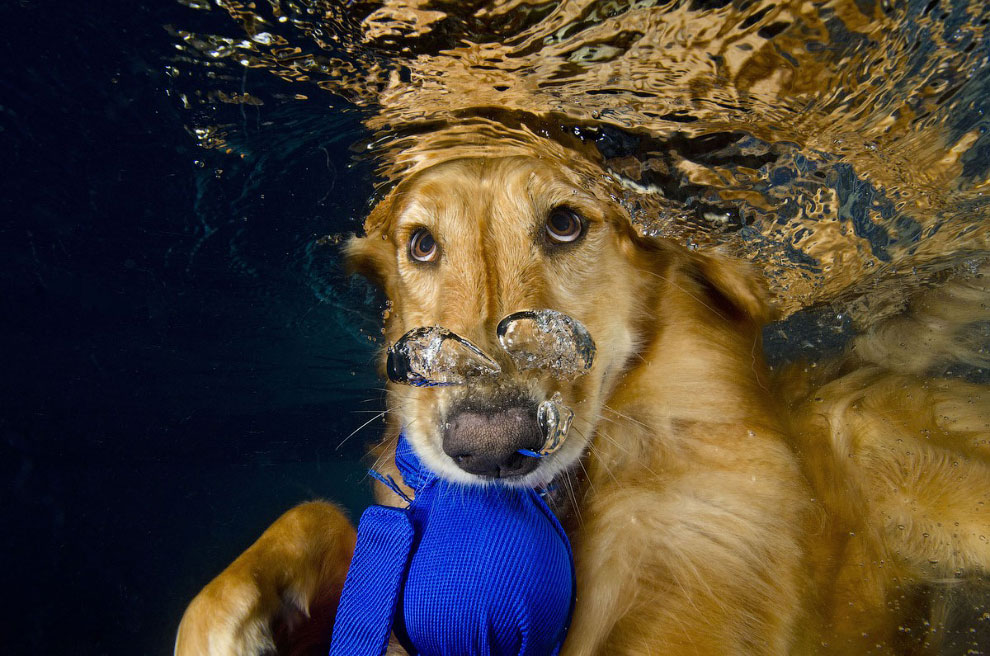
712	508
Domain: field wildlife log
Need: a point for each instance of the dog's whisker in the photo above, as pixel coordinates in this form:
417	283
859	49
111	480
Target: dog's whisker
604	435
598	433
600	419
575	506
387	453
356	430
600	458
595	451
587	476
626	417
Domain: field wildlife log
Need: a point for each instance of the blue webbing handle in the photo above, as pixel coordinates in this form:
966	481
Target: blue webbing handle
368	602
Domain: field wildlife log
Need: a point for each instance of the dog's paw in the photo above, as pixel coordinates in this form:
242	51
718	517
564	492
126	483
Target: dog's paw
229	617
279	596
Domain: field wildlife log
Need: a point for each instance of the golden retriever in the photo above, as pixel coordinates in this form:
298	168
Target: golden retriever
713	508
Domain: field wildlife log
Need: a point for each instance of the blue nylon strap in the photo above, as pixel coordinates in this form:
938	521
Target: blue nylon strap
371	590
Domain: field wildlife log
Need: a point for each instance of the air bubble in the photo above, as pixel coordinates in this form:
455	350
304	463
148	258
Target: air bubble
434	356
547	339
555	420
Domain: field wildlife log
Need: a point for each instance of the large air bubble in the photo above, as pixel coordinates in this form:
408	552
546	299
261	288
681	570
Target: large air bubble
549	340
434	356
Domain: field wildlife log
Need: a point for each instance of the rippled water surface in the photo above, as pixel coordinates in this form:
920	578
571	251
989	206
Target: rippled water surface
841	145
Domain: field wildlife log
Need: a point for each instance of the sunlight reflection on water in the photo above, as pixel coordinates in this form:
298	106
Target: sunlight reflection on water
842	146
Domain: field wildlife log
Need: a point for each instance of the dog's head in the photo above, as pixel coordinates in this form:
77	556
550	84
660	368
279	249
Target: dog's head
467	242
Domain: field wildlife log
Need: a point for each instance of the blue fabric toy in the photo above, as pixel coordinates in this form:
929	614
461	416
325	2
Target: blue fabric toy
474	570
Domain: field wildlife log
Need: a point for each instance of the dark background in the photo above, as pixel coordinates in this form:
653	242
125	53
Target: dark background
180	357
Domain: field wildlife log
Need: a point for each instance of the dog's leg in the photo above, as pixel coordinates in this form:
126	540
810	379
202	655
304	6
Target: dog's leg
280	595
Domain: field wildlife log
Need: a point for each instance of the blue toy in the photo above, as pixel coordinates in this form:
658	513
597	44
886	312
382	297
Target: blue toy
474	570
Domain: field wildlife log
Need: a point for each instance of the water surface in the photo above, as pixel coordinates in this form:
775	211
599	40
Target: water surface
840	145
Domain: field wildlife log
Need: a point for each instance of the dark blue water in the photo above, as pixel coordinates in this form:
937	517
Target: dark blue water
180	358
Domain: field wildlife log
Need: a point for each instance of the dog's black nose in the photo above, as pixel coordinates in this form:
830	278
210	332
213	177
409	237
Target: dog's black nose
488	443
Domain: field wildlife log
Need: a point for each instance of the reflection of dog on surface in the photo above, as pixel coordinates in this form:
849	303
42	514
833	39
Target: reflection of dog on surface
712	509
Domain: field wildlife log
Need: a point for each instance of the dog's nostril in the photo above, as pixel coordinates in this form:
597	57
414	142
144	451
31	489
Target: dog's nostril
514	461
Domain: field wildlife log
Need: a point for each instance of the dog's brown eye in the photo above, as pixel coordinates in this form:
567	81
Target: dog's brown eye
564	225
423	247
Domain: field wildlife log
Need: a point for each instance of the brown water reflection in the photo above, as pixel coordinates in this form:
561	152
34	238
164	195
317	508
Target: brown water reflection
841	145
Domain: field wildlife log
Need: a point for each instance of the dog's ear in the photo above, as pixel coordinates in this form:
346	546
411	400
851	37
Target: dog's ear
733	288
372	255
369	257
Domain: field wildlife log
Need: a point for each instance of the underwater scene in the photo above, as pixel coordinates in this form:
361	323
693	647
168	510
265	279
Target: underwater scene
185	355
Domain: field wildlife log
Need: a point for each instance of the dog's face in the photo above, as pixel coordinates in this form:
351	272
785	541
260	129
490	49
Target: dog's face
466	243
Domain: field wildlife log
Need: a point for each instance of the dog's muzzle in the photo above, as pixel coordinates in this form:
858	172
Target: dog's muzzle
505	441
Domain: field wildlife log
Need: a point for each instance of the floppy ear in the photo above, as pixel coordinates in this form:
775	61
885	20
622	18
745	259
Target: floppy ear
372	256
734	288
369	257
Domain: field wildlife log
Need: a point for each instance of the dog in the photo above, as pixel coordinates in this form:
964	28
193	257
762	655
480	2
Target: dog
713	507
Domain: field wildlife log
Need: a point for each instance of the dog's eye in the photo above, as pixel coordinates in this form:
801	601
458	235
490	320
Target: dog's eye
564	225
423	247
